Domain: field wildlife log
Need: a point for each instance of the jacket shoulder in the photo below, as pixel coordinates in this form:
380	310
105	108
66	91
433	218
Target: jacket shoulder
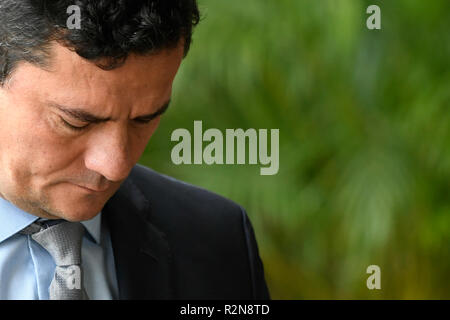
166	191
207	232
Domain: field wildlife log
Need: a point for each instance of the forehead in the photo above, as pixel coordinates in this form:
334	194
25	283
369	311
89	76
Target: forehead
69	74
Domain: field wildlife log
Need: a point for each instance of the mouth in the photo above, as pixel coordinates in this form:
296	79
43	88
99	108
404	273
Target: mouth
92	189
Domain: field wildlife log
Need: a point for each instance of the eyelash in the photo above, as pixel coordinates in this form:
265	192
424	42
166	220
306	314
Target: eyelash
75	128
72	127
146	121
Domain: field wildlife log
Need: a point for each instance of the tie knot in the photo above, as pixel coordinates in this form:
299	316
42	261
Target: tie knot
62	241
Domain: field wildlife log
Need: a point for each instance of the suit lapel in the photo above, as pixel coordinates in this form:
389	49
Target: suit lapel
141	253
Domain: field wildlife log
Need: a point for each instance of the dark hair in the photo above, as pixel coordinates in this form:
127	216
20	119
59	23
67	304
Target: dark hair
110	29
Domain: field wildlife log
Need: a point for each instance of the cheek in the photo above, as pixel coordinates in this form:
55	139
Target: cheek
143	138
37	151
154	125
144	135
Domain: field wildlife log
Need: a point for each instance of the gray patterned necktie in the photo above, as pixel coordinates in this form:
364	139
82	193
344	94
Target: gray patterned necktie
63	241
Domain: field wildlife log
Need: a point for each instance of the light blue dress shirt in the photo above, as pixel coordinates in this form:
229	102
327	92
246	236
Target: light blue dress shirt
26	268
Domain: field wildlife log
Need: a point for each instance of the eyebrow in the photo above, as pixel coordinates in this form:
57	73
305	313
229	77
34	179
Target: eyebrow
85	116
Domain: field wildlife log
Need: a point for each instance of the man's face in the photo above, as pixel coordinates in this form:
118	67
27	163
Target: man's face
56	161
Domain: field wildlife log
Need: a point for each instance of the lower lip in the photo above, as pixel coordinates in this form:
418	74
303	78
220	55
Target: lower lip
90	190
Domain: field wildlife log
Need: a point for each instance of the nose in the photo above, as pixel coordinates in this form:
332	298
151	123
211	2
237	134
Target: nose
109	154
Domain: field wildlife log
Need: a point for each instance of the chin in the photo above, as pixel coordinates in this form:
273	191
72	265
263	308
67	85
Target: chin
76	205
83	211
80	216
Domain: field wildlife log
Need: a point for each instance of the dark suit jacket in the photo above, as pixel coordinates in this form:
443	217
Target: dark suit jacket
172	240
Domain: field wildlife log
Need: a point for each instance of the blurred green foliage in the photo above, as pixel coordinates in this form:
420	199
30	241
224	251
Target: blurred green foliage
364	139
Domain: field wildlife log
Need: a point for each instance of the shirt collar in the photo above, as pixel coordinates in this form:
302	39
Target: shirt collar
93	226
14	220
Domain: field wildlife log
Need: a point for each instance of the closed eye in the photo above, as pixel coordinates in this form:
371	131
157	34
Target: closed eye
88	118
143	120
71	126
149	118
